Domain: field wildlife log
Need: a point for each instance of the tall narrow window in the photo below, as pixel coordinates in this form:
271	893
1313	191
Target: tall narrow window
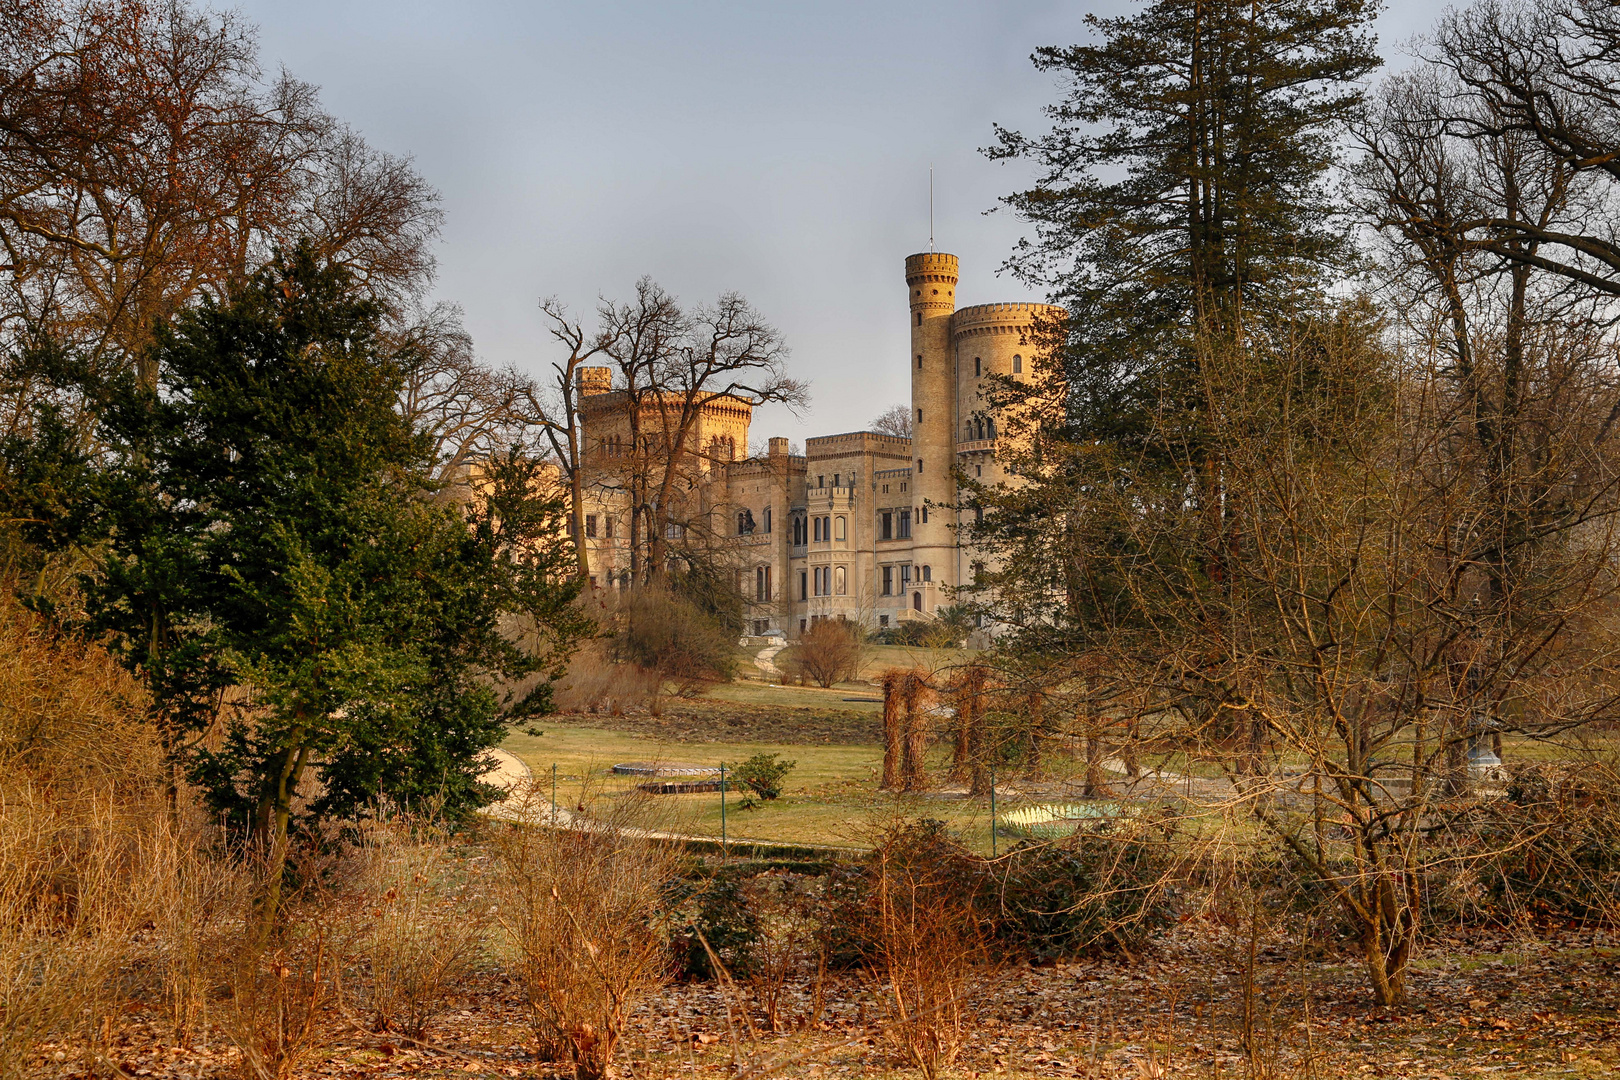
919	416
817	523
886	525
905	524
839	582
978	366
928	572
888	581
767	519
590	526
919	466
1018	365
804	586
916	601
919	355
840	531
759	583
925	515
607	526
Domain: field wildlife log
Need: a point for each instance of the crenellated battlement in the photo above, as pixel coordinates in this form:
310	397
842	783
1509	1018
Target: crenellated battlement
1005	318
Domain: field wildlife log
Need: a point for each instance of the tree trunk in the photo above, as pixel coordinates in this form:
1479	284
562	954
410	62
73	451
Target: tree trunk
913	776
891	731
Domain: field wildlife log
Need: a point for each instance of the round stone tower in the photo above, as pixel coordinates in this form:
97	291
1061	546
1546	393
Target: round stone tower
931	287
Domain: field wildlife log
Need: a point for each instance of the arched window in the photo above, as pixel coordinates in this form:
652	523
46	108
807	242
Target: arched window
916	600
1018	365
919	416
919	318
990	427
838	579
840	532
919	357
928	572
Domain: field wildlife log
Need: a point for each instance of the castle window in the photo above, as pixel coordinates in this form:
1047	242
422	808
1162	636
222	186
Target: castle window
839	530
919	416
883	620
977	366
925	515
607	526
1018	365
919	323
902	486
804	589
916	601
886	527
767	519
745	522
590	526
905	576
836	477
762	583
905	524
817	523
885	489
888	581
919	355
928	572
593	581
919	466
839	580
990	427
821	481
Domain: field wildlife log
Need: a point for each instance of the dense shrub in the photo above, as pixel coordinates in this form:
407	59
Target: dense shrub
762	774
1096	892
1549	849
711	907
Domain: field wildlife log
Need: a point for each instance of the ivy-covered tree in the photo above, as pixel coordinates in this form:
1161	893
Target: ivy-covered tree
279	566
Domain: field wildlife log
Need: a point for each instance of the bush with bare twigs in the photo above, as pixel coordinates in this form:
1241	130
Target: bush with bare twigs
596	683
930	946
421	918
828	652
585	912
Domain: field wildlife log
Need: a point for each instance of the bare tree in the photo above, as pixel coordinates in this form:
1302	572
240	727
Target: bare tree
671	365
144	159
470	411
895	420
561	417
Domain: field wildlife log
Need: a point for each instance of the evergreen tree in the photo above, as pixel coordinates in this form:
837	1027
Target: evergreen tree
1181	192
278	562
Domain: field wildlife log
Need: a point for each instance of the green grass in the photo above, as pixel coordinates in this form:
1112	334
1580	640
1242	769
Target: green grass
830	797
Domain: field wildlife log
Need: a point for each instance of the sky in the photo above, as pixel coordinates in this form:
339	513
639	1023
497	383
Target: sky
778	150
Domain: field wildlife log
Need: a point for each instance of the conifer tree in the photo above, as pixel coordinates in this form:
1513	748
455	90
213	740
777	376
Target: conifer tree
276	565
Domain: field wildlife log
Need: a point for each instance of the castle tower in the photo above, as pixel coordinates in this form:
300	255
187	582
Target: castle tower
931	287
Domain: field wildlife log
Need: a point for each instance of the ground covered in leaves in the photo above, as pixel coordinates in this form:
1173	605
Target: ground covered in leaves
1532	1006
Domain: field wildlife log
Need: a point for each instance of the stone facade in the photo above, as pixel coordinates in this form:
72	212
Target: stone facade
859	527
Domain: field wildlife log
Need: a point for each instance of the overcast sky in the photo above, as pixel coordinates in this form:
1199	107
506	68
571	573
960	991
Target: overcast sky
778	150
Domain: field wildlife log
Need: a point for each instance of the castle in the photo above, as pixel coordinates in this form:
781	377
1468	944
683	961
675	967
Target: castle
860	526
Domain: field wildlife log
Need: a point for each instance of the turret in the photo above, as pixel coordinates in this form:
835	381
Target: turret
931	287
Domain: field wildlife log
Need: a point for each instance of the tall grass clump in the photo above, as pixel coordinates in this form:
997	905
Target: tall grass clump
84	826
